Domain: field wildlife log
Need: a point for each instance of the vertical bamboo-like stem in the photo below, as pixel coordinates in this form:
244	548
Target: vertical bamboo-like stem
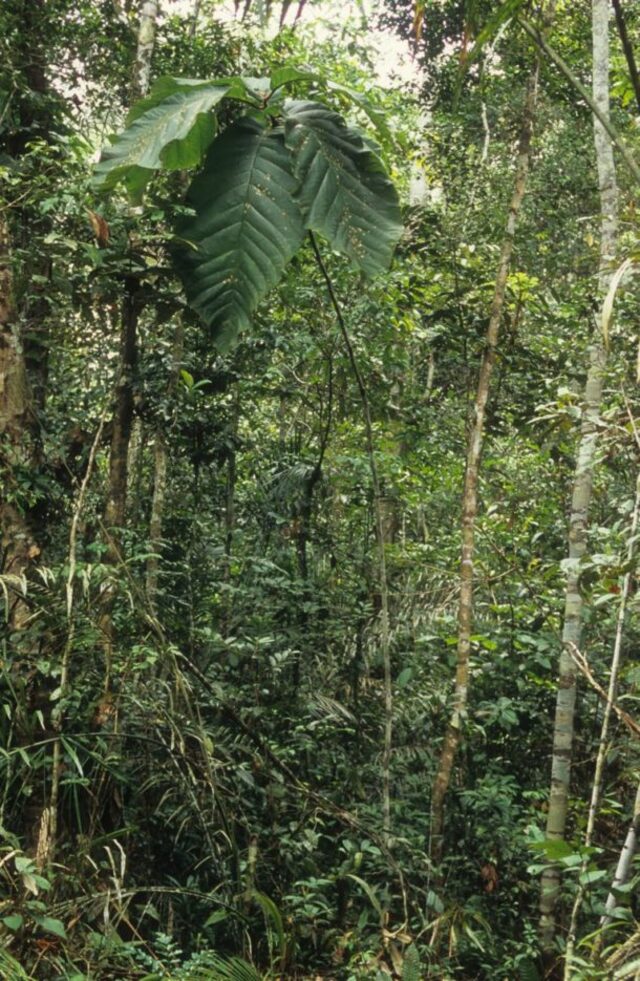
383	582
603	744
453	734
583	481
624	861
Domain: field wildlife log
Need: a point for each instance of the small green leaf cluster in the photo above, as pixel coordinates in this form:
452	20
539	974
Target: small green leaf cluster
29	912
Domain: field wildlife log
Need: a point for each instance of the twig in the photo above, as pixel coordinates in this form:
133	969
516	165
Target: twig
582	664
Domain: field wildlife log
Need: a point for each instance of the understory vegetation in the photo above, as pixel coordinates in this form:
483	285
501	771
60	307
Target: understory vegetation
319	490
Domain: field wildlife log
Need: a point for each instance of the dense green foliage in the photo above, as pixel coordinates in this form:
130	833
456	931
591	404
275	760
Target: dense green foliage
199	692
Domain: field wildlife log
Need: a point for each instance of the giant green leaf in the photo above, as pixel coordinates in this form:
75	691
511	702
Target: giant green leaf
162	89
173	133
247	226
344	191
239	87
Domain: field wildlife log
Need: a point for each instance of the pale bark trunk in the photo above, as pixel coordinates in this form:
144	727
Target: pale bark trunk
453	734
146	42
583	481
624	861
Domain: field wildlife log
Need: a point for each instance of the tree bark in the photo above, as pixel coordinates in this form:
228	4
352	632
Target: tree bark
19	355
17	445
146	43
582	484
453	734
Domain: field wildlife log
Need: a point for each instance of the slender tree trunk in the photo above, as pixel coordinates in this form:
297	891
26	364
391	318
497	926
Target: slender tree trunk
453	734
115	510
160	475
123	414
582	485
116	507
146	42
624	861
